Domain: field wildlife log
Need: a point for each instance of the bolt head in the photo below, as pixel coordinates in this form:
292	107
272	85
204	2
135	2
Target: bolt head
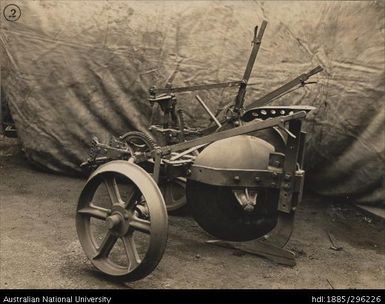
257	179
237	178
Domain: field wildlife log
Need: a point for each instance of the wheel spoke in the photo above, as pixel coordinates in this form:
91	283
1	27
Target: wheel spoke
131	252
106	246
96	212
113	190
132	198
140	225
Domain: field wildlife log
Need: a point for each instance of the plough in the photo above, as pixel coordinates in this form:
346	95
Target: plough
241	176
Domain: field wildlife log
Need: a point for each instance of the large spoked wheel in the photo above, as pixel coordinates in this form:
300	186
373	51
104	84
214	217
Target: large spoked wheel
121	221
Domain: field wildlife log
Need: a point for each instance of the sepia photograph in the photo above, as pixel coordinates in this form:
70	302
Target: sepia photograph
212	145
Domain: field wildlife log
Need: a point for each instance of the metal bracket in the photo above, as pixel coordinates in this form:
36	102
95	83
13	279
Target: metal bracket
282	127
157	161
292	152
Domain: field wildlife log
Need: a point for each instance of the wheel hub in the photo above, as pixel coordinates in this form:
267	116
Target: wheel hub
113	221
117	222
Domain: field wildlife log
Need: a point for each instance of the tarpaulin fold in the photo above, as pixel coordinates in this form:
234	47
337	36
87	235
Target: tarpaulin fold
73	69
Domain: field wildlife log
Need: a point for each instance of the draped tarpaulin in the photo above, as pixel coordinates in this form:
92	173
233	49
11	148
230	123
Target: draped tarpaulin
73	69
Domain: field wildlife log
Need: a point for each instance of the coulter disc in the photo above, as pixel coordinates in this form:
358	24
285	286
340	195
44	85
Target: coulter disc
217	210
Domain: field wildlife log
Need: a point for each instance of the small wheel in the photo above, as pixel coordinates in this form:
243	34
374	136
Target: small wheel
121	221
174	193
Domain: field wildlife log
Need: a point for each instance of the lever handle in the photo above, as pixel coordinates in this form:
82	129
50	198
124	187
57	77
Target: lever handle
315	71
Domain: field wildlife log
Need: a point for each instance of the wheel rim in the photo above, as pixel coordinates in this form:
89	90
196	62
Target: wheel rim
135	216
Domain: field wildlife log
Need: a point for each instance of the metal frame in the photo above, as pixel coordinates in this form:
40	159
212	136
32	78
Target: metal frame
176	158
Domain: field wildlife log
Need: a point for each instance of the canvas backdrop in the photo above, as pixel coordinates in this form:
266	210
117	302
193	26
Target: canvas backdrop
73	69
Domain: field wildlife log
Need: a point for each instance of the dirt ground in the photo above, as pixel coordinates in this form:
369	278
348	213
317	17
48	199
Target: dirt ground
39	247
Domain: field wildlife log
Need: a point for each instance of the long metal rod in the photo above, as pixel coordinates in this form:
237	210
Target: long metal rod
272	95
208	111
287	86
179	155
256	45
251	127
198	87
257	39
